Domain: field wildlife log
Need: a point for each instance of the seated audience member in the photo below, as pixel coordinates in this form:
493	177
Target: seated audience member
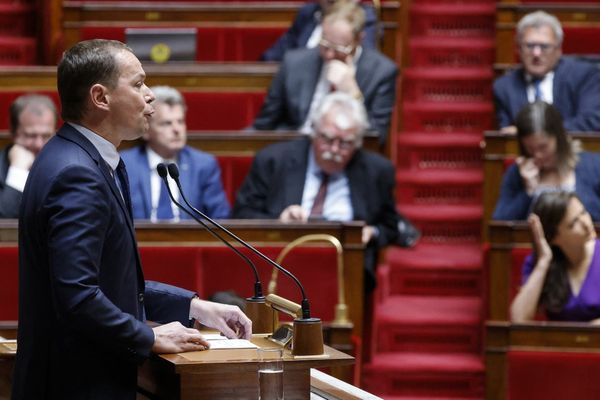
338	64
32	123
306	30
327	176
563	273
166	143
550	160
572	86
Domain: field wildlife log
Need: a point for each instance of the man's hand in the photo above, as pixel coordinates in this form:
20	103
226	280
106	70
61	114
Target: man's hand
368	233
293	213
341	75
228	319
176	338
509	130
20	157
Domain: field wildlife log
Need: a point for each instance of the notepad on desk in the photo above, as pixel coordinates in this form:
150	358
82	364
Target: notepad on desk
220	342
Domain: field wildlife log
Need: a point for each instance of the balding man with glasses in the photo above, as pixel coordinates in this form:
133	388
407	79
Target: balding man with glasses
328	177
571	85
339	63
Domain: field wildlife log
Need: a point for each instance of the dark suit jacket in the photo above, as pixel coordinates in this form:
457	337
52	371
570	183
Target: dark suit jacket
82	295
10	198
291	92
576	95
307	19
200	178
276	180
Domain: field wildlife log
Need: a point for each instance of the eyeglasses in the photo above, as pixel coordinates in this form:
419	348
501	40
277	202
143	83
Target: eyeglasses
344	144
345	50
544	47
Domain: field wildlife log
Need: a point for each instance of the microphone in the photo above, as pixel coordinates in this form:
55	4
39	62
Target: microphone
174	173
258	293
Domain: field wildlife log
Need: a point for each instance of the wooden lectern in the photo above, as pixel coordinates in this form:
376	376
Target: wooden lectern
228	374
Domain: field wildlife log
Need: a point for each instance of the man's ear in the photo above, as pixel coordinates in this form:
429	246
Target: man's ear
99	97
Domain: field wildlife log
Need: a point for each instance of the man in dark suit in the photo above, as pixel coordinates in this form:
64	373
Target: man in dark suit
82	296
326	176
32	124
166	142
572	86
339	64
306	30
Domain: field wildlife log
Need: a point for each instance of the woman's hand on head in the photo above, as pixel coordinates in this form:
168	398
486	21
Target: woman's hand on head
542	248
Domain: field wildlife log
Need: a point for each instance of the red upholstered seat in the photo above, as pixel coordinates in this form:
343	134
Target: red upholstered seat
233	172
9	292
231	110
553	375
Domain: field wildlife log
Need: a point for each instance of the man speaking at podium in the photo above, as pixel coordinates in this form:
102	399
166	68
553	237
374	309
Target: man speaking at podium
82	296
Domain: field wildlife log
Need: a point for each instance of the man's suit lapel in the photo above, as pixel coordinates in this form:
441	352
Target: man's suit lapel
356	179
295	173
310	72
364	69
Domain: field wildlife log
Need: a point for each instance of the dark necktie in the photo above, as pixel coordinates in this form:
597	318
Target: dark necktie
123	182
164	210
317	208
536	88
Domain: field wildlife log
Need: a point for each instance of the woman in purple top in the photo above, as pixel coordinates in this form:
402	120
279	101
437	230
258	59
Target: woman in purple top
563	274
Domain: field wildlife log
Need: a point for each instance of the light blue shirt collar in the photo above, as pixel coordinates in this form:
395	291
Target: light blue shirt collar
107	150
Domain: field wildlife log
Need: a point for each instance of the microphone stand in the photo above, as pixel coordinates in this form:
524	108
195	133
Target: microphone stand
262	316
308	332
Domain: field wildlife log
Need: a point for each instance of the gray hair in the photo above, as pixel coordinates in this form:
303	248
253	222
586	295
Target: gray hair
168	95
37	103
349	113
538	19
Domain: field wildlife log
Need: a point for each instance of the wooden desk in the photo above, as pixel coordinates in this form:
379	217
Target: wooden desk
501	337
208	77
207	375
498	149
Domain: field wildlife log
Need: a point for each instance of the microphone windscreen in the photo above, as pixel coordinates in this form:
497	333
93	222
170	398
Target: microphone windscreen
173	170
162	170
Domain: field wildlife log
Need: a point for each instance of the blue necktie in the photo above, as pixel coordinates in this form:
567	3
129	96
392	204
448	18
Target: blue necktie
123	184
536	88
164	210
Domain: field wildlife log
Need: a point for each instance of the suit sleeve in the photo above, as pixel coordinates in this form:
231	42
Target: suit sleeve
10	201
387	219
166	303
273	109
214	202
514	202
252	197
586	97
382	104
289	40
503	118
78	214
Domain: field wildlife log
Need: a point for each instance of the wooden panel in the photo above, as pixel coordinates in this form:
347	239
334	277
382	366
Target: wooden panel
502	337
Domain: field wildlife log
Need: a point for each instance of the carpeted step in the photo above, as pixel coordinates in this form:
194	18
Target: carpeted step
424	151
451	52
445	224
460	20
434	269
433	187
450	117
444	84
424	374
428	324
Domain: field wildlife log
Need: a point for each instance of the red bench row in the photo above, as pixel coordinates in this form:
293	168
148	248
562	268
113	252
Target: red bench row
210	269
207	110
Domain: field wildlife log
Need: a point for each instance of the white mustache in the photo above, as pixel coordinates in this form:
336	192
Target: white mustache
329	156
